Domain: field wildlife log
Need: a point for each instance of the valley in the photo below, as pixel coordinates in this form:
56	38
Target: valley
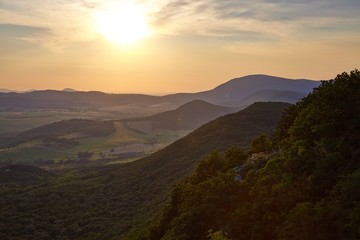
119	199
35	127
120	144
179	120
113	171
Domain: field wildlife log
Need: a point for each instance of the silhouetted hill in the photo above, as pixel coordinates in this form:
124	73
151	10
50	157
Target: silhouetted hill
234	91
188	116
52	99
69	90
231	93
5	90
273	95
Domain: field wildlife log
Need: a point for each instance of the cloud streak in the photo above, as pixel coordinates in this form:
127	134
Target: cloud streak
67	21
23	31
63	22
279	19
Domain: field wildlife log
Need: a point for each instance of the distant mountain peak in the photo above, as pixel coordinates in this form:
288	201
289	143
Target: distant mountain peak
197	103
69	90
262	78
5	90
233	92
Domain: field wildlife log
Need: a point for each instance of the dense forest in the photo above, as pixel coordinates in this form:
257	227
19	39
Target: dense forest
301	183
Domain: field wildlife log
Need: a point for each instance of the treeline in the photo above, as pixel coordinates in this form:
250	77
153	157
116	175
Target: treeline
302	183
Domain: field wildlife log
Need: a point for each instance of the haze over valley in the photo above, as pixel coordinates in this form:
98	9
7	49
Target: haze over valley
126	125
179	120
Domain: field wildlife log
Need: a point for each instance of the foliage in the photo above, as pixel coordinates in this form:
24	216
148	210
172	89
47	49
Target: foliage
305	186
217	236
260	144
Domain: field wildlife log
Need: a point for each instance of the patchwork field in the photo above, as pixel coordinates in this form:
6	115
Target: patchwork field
124	144
15	120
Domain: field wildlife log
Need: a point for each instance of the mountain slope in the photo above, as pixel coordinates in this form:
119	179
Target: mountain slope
237	129
186	117
154	175
273	95
304	184
114	202
233	91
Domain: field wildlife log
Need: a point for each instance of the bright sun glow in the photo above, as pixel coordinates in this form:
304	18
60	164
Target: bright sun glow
123	25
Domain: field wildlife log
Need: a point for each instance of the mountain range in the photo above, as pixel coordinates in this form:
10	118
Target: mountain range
234	93
269	171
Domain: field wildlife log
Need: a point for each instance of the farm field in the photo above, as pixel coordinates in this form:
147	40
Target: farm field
124	144
16	120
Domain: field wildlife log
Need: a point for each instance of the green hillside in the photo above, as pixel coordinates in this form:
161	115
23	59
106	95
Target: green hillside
237	129
117	201
302	184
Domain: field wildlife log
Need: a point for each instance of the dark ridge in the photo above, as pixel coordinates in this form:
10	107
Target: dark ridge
230	93
186	117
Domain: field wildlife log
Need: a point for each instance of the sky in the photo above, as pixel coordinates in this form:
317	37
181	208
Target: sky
187	46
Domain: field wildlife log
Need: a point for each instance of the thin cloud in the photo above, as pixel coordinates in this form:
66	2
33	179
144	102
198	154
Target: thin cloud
23	31
56	24
64	22
87	4
278	18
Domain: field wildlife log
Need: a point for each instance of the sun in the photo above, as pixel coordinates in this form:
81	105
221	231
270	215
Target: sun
124	25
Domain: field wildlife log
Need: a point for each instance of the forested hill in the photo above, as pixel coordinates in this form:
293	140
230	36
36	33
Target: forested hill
116	201
188	116
151	178
301	184
237	129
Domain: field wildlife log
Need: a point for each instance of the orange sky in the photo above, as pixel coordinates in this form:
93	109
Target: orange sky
193	45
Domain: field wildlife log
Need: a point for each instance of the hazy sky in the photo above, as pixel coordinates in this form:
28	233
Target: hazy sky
189	45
